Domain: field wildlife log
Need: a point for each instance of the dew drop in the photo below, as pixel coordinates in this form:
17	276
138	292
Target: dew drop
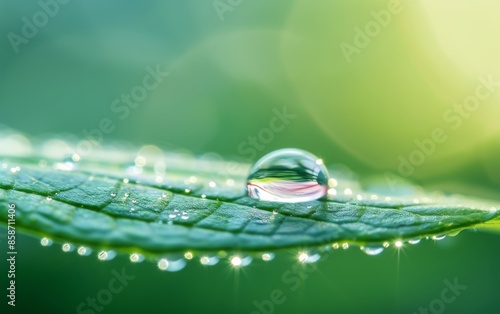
372	249
238	261
439	237
414	241
106	255
113	195
136	258
49	198
184	217
188	255
209	260
163	264
176	265
308	257
84	251
134	201
345	246
67	247
398	244
172	216
266	257
288	175
46	242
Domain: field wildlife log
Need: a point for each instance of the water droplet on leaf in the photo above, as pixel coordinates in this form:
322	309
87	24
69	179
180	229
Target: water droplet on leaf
414	241
439	237
372	249
288	175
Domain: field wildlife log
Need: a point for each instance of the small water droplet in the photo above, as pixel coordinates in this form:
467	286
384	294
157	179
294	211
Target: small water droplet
136	258
134	201
106	255
67	247
125	181
127	194
386	244
46	242
266	257
209	260
184	217
49	198
187	190
348	191
345	246
132	209
163	264
172	216
439	237
163	195
372	249
288	175
414	241
203	196
308	257
212	184
188	255
275	212
113	194
398	243
84	251
238	261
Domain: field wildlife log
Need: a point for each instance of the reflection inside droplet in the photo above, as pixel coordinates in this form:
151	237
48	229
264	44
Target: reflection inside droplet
288	175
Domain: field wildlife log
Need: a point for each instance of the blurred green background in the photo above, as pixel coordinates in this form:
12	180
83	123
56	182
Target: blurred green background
368	83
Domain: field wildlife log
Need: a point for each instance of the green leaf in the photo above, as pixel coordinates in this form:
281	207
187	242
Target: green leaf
173	202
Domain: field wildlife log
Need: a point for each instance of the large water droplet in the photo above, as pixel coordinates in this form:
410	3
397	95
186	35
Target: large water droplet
288	175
